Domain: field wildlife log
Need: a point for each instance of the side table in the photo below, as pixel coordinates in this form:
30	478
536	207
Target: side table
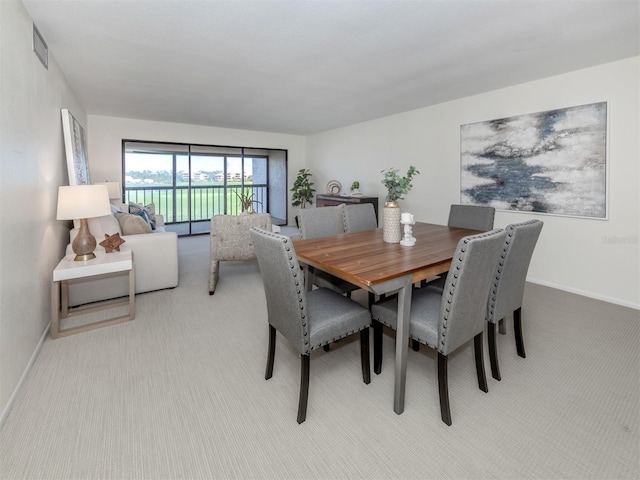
71	271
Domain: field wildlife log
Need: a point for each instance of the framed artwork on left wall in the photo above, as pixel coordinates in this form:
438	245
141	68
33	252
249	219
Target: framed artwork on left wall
75	146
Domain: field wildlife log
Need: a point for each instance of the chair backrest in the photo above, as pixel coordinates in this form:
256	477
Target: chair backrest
283	286
230	239
320	222
466	290
359	216
475	217
510	273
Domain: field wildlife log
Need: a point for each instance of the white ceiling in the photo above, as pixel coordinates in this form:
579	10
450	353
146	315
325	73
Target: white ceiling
303	66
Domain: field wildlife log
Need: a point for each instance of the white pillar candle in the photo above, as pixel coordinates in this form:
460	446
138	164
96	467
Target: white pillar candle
407	218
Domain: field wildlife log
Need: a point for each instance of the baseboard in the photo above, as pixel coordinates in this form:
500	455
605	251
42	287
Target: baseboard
617	301
36	352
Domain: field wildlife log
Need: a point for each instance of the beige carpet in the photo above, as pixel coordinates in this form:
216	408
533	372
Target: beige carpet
180	394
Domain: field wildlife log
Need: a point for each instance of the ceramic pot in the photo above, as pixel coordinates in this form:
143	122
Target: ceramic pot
391	228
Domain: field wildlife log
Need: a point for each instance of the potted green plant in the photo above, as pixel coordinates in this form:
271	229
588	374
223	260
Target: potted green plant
397	187
355	186
247	201
302	189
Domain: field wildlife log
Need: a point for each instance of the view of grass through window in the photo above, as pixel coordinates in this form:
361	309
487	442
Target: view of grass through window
188	184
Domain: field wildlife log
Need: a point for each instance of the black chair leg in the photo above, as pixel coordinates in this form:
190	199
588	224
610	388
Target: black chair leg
364	355
493	352
304	388
443	387
517	327
503	327
478	349
377	347
271	353
415	345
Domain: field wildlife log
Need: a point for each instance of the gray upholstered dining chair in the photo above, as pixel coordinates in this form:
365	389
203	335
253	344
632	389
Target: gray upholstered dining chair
475	217
324	222
358	217
307	319
507	290
447	319
320	222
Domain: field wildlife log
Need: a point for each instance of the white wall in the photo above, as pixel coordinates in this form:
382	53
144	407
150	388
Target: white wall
106	135
32	167
598	258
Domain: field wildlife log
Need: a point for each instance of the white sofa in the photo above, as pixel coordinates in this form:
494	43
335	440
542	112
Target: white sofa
155	257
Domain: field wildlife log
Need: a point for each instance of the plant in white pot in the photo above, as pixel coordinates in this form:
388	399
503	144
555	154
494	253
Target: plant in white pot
397	187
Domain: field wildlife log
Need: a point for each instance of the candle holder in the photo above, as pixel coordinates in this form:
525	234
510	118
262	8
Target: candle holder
407	220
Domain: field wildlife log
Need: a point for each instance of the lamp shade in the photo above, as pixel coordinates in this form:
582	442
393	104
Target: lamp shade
113	188
82	201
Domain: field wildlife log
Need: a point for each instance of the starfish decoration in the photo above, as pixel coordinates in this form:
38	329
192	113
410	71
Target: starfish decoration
112	242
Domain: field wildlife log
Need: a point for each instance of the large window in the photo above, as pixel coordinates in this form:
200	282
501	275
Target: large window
188	183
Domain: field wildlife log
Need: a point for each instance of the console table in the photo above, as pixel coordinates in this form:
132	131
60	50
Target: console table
327	200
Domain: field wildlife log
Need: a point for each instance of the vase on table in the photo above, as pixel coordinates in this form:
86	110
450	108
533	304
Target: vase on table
391	227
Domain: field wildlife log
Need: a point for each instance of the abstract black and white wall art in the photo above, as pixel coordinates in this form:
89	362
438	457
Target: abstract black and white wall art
552	162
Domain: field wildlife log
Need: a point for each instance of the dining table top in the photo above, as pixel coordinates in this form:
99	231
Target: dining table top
365	259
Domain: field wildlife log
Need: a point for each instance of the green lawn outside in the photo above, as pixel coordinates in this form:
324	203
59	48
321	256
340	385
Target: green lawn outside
206	201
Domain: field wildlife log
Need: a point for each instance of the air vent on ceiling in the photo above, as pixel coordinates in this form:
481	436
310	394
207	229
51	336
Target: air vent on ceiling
40	47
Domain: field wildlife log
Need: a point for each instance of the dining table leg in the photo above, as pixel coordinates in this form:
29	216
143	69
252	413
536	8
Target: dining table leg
402	344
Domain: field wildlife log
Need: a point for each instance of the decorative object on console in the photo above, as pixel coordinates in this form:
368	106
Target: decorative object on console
355	188
407	220
112	242
396	187
302	189
75	146
83	202
334	187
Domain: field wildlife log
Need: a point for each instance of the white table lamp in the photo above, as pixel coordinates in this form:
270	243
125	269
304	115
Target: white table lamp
83	202
113	188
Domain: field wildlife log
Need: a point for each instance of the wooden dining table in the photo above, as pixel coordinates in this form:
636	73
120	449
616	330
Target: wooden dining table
366	260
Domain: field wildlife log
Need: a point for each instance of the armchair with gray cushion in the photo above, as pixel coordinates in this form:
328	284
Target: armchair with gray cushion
307	319
230	240
508	285
445	320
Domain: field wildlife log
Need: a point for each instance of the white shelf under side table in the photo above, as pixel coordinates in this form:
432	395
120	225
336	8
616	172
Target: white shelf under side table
70	271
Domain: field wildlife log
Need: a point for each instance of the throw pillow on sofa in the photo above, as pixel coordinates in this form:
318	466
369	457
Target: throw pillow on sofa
147	212
132	224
